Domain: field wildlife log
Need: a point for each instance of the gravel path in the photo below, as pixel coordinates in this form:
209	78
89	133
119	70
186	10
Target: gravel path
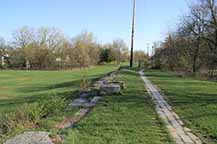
181	134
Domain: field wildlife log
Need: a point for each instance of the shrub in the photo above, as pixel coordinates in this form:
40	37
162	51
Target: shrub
30	115
52	105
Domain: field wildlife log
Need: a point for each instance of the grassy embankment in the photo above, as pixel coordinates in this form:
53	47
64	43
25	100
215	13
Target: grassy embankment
194	100
19	87
39	99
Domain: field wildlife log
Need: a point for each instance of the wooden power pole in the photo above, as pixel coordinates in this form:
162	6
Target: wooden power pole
133	30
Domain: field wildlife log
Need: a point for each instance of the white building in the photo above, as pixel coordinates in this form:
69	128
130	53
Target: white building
3	59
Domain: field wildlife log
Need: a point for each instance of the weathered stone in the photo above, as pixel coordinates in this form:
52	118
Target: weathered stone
95	100
30	138
92	92
119	83
79	102
84	94
111	88
181	134
102	82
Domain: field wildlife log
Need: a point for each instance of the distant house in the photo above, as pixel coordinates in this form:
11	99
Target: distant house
4	59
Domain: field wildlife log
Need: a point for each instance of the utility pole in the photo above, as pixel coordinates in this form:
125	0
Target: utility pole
148	48
133	30
152	57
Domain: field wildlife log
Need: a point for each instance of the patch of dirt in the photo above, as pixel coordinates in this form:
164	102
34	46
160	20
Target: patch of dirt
57	139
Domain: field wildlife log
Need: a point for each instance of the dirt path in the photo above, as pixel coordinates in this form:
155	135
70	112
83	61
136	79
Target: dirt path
178	131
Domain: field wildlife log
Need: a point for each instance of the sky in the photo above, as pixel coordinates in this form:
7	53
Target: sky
107	19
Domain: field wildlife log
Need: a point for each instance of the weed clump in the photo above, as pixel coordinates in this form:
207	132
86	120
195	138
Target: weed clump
30	115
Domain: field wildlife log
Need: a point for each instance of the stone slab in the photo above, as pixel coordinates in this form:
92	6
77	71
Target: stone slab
30	138
181	134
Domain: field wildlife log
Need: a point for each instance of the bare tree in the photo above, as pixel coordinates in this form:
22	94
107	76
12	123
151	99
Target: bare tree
206	15
23	37
193	29
119	47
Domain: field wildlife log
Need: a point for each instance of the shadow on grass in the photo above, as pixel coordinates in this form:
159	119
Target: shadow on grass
160	75
16	102
149	73
71	92
196	98
69	84
128	72
36	88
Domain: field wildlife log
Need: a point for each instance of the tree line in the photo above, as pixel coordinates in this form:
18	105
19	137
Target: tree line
192	46
48	48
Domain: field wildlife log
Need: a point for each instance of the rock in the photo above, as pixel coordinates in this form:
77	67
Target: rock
95	100
101	82
92	92
79	102
30	138
92	103
107	89
84	103
119	83
88	105
84	94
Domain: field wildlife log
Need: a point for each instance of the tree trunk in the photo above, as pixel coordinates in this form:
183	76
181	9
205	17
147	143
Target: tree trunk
195	57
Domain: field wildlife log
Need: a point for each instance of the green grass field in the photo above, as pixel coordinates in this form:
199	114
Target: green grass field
194	100
128	118
19	87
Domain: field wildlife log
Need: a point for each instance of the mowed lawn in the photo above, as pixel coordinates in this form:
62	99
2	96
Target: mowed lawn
128	118
194	100
19	87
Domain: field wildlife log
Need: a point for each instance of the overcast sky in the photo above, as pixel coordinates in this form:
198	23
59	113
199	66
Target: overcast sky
107	19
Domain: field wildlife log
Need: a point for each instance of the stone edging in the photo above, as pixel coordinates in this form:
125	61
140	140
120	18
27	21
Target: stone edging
178	131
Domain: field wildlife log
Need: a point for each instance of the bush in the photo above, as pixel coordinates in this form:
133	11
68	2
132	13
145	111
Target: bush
29	115
7	124
52	105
